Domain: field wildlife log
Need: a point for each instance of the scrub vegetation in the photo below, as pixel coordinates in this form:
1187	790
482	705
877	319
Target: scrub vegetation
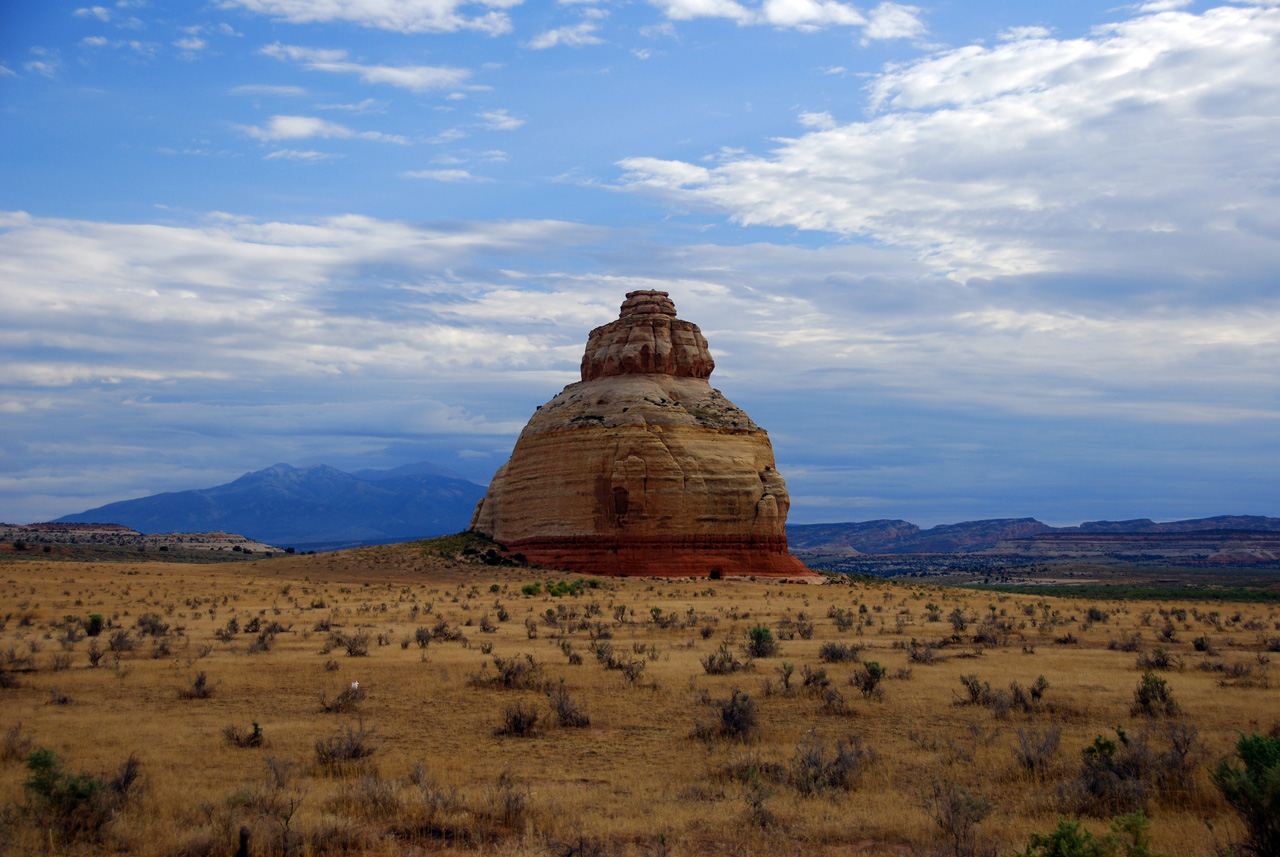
408	699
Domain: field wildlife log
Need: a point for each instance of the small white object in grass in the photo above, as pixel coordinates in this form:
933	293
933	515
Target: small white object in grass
355	685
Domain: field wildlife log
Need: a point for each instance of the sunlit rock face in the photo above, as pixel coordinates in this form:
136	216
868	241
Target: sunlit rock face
642	468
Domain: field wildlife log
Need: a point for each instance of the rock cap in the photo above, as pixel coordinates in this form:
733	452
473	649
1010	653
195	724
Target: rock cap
647	339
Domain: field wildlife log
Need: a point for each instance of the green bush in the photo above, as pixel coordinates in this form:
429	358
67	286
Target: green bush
75	806
1130	836
1254	792
760	642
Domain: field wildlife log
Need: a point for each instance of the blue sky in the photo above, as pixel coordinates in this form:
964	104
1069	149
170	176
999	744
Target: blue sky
962	260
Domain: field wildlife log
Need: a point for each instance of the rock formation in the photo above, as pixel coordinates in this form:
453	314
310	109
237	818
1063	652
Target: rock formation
641	468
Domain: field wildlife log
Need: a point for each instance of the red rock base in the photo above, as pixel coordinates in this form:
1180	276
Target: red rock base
697	556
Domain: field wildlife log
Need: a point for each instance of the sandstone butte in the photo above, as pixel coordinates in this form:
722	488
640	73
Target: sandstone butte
641	468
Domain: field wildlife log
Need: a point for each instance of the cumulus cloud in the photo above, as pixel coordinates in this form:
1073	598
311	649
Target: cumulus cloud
267	89
572	35
1039	154
418	78
886	21
444	175
297	155
500	120
404	16
100	12
301	127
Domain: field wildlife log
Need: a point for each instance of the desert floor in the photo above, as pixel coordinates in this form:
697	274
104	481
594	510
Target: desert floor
493	718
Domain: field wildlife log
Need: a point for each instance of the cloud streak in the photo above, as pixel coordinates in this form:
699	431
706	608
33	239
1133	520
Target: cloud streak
416	78
402	16
1037	155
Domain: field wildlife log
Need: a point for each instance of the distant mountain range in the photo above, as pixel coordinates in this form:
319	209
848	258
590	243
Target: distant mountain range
903	537
309	508
323	508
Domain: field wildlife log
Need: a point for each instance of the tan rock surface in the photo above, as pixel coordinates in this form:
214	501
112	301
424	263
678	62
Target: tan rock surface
642	467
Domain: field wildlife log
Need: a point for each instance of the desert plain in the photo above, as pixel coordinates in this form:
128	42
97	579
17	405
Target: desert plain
411	699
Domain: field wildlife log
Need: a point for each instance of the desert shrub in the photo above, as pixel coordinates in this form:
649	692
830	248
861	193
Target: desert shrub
722	662
519	720
422	636
918	654
815	680
1153	697
57	697
151	624
519	672
1128	642
199	688
336	753
1122	775
738	718
867	678
508	801
1253	791
370	797
240	738
121	642
15	745
567	712
346	702
1159	658
93	625
761	642
76	806
1035	751
357	644
957	813
1202	644
1130	836
814	771
836	653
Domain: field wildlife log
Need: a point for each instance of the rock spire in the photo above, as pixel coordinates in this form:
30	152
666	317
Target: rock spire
642	468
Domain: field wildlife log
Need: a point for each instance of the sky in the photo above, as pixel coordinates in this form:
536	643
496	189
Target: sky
962	260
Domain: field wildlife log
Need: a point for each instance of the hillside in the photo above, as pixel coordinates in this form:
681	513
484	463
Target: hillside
903	537
317	508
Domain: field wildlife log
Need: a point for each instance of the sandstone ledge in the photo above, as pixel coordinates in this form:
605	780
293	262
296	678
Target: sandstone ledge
656	556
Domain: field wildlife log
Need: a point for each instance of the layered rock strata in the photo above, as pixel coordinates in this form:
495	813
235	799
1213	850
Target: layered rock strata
641	468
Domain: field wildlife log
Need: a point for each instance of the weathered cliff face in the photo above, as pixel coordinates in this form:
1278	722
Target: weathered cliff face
642	468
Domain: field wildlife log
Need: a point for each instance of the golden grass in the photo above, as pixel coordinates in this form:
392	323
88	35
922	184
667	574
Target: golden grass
636	779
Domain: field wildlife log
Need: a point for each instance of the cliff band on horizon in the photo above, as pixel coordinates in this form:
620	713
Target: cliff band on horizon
641	468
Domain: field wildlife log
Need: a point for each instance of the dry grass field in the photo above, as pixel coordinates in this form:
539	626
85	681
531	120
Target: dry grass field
626	716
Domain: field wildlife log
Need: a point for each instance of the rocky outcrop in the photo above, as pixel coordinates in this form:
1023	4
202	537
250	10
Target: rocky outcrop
643	468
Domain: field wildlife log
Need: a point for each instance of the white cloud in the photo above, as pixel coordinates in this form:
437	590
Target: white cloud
894	21
418	78
1025	33
93	41
100	12
886	21
301	127
500	120
573	35
5	71
449	135
41	67
642	53
821	120
190	44
404	16
1039	154
297	155
444	176
267	89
